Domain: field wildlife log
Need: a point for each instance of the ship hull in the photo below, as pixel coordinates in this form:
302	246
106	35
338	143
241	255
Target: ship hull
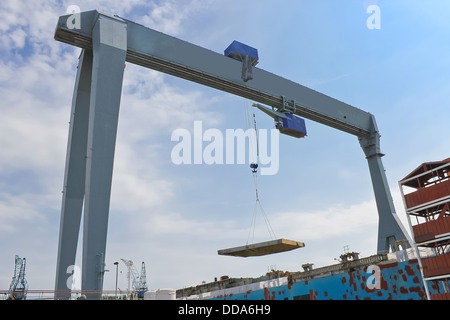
398	281
386	280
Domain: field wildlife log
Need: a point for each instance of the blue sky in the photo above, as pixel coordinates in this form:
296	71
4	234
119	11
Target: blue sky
175	218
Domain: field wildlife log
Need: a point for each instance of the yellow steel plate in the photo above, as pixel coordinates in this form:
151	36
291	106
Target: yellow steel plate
262	248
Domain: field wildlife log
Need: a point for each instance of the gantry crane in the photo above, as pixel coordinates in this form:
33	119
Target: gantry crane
107	42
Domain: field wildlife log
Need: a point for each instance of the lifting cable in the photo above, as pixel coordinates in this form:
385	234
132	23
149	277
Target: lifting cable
254	167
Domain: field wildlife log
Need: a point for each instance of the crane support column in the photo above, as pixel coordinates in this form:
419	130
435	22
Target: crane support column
74	180
390	227
90	155
109	41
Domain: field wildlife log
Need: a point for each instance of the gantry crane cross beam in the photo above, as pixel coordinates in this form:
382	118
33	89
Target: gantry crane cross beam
107	43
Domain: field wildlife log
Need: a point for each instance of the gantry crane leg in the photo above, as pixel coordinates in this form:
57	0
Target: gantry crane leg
90	156
390	227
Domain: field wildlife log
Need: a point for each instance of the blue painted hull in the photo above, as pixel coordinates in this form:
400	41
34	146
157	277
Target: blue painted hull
384	281
398	281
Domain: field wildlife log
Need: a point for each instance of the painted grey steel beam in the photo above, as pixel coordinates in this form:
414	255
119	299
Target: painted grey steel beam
158	51
74	180
109	52
390	227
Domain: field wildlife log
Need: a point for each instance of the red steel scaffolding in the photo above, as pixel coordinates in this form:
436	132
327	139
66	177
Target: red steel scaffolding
426	196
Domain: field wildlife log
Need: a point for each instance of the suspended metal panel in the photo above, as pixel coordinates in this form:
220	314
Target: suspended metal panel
262	248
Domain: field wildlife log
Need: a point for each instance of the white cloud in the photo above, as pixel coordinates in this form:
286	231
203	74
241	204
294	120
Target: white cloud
165	18
137	185
16	210
35	18
170	16
18	37
33	125
162	109
331	223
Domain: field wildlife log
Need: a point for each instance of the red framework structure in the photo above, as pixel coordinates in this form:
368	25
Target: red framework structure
426	196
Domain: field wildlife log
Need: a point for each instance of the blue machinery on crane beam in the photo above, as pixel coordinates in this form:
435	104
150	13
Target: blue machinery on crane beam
107	43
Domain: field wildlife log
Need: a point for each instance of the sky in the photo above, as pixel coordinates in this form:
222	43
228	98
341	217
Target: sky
173	217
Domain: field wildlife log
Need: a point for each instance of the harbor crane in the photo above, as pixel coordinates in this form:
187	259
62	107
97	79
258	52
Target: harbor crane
19	285
137	281
107	42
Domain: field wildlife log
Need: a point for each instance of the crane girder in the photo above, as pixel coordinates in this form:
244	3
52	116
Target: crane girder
152	49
